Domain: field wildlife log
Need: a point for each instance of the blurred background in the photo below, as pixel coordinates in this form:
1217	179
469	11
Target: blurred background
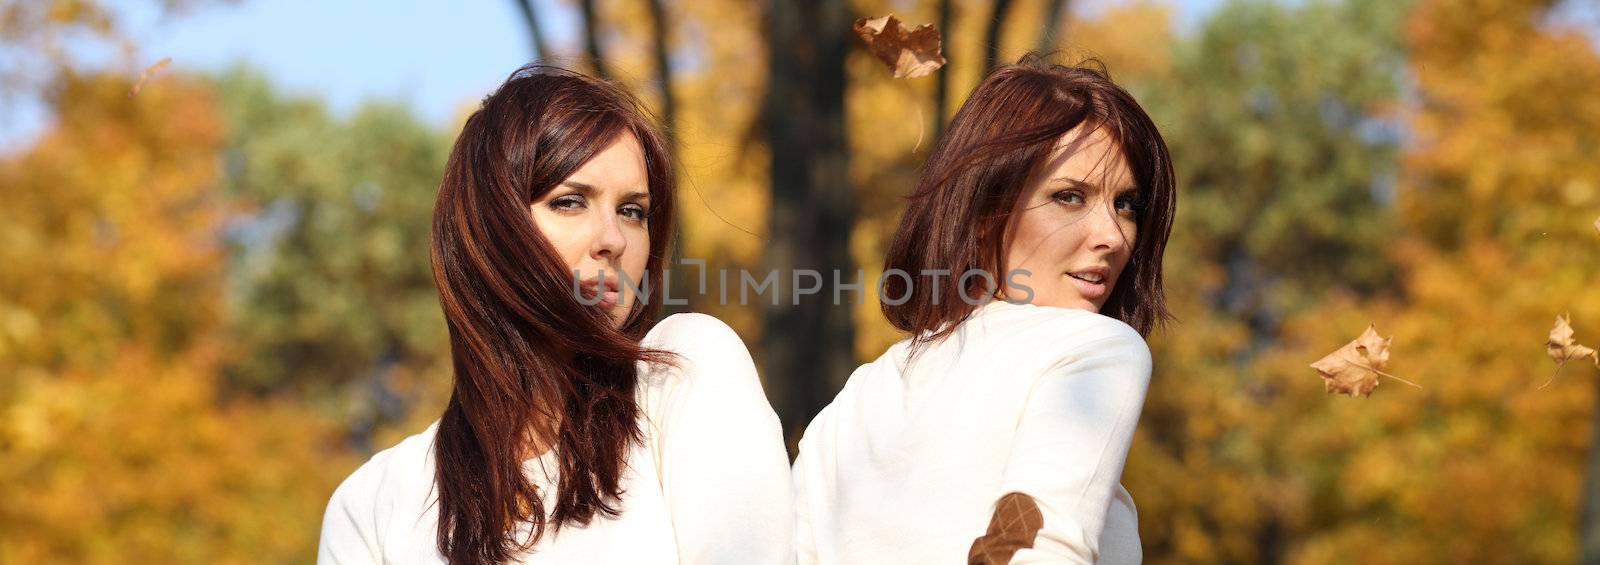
215	299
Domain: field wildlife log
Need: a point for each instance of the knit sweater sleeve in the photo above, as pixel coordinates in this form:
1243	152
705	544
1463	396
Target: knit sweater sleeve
724	467
350	532
1067	456
805	543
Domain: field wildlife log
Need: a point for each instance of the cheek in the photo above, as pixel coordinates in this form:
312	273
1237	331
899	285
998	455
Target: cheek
1028	239
1043	239
637	253
565	236
1132	231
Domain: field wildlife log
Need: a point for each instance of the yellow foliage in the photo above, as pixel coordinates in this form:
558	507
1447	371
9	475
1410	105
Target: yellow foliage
139	461
1132	39
115	445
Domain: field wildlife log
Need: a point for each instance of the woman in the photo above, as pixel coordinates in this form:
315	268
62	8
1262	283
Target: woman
571	435
998	430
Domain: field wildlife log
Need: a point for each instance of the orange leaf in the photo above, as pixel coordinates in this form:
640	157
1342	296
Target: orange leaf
1354	369
909	53
148	72
1561	346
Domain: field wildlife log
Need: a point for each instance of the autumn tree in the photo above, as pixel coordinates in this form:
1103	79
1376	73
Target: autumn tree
1459	233
116	442
1281	125
329	285
1500	194
42	39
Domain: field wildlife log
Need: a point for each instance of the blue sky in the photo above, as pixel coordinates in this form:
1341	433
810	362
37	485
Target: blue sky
436	56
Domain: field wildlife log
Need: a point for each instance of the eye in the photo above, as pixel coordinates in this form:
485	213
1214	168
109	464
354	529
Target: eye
568	202
633	212
1129	203
1068	197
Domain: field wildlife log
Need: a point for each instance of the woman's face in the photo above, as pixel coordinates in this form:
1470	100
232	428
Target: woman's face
597	221
1073	228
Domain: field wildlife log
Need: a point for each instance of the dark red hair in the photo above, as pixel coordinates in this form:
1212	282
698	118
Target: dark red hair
956	218
532	364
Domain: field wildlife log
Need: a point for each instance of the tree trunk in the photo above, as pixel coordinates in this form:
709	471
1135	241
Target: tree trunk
1589	515
682	278
591	38
997	28
1054	12
658	23
530	18
941	97
809	346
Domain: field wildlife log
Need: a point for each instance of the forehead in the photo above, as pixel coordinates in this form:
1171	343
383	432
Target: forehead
619	166
1089	154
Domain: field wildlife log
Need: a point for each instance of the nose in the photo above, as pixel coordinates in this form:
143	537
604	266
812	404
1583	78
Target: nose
608	242
1106	233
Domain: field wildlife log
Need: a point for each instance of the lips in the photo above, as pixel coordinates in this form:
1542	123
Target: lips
606	290
1091	282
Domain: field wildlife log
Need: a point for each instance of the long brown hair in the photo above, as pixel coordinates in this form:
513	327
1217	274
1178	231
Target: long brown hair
956	218
532	364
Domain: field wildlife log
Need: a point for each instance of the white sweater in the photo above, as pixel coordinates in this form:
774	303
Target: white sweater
710	483
908	462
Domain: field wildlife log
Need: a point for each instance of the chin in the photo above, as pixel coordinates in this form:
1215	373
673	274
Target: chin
1082	304
1072	304
618	316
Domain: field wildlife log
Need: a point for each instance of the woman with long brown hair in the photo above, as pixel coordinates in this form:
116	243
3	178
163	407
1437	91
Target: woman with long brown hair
997	430
578	430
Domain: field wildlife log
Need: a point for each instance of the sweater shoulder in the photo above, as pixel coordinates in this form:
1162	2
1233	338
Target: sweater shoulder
702	347
1028	341
390	478
1053	329
695	335
708	363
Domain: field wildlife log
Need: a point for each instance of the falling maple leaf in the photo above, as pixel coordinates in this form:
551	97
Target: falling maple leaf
909	53
1354	369
149	71
1562	348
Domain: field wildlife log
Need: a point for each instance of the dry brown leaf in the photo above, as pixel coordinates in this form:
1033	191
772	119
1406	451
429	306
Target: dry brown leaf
149	71
910	53
1354	369
1562	348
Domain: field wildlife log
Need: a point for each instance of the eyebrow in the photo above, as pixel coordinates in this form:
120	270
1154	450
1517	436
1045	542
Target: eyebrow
1076	183
589	189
